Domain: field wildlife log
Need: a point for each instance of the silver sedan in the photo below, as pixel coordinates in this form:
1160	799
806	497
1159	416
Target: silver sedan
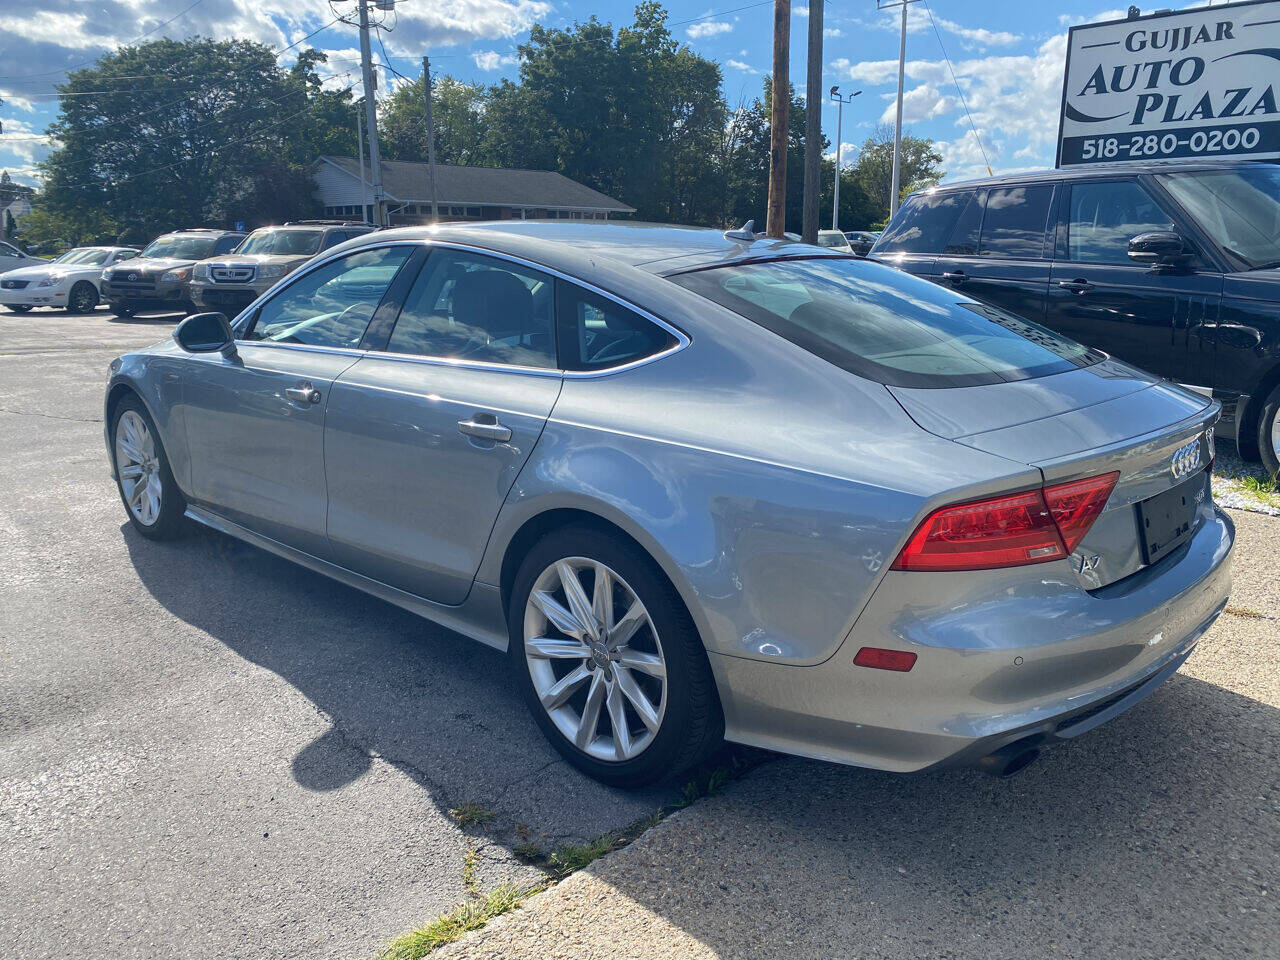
702	486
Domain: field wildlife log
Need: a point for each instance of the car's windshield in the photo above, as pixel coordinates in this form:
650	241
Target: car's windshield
86	256
885	325
832	240
1239	207
180	248
295	243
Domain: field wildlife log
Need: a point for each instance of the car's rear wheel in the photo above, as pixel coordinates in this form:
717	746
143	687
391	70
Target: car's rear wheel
151	496
17	307
1269	433
83	297
612	667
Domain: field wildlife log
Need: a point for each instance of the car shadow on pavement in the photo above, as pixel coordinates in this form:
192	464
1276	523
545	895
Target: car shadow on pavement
135	320
1154	835
441	708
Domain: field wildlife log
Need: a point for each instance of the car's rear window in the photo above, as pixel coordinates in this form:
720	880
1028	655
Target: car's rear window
885	325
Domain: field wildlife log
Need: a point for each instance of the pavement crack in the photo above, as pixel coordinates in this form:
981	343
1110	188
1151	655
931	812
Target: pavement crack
49	416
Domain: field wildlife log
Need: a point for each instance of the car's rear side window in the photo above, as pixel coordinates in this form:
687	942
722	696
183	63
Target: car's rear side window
1013	222
924	223
886	325
595	333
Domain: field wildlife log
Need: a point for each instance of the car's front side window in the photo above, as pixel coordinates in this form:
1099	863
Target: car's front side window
330	306
1105	216
468	306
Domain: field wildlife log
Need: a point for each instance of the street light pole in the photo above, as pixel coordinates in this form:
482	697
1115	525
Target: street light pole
897	128
835	200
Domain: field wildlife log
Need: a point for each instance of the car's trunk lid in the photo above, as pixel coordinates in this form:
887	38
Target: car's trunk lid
1102	418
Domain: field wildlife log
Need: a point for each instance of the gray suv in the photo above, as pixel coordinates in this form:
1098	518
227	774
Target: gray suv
229	284
161	274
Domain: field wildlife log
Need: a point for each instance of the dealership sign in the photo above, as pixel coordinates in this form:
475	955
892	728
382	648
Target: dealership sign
1201	83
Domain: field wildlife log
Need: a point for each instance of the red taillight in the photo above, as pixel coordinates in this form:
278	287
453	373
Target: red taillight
1034	526
1075	505
881	659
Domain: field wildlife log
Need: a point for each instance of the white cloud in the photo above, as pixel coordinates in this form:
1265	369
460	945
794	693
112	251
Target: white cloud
978	35
708	28
832	32
493	60
918	104
739	65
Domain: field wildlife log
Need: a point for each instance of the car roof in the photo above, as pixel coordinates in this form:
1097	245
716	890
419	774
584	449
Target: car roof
573	246
1129	168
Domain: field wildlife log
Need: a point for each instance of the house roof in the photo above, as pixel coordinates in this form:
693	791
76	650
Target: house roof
410	182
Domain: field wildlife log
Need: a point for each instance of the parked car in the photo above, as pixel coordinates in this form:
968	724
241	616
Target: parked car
861	241
231	283
161	275
1170	266
71	282
12	258
701	485
834	240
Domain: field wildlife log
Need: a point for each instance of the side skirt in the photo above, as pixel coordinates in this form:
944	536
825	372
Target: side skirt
479	617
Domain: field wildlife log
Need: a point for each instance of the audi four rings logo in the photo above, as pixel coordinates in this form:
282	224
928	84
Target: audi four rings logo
1186	459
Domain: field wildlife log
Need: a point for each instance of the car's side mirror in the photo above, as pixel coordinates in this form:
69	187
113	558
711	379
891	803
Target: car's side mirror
206	333
1159	248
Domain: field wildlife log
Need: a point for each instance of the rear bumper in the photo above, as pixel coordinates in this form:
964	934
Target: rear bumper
1001	657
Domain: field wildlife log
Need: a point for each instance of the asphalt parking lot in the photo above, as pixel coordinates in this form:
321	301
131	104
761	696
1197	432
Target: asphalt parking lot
206	749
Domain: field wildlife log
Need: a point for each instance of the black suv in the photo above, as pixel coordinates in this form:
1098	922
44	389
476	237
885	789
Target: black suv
1169	266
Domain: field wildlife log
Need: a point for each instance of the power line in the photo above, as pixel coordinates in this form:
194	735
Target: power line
958	90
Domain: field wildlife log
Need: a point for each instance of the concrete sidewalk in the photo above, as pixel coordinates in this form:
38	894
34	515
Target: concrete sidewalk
1157	835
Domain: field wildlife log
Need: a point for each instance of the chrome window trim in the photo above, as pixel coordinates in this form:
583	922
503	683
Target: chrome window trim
682	339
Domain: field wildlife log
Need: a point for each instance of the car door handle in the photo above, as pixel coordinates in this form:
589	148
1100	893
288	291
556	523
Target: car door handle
1076	286
485	426
959	276
303	393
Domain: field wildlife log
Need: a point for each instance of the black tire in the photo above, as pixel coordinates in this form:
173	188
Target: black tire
1269	433
170	521
692	724
82	298
17	308
122	308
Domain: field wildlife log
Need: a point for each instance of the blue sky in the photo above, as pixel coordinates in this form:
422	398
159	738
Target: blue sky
1007	56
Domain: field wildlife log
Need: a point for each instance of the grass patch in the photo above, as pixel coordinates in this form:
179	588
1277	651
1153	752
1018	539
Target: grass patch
470	815
571	857
1263	488
470	860
529	852
446	928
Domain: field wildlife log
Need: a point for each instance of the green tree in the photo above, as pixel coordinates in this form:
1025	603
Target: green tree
921	166
457	111
216	132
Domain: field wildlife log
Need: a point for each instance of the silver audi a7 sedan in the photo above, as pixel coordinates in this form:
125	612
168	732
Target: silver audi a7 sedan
702	486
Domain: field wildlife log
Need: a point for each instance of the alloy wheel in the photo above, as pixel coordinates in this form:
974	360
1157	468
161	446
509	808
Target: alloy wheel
138	466
83	298
595	659
1275	433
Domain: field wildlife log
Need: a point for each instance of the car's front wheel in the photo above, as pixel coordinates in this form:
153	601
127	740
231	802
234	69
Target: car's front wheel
1269	434
611	664
83	297
150	494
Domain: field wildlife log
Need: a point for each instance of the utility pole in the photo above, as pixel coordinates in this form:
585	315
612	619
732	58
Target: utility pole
431	138
835	199
370	111
775	221
813	127
897	127
364	181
